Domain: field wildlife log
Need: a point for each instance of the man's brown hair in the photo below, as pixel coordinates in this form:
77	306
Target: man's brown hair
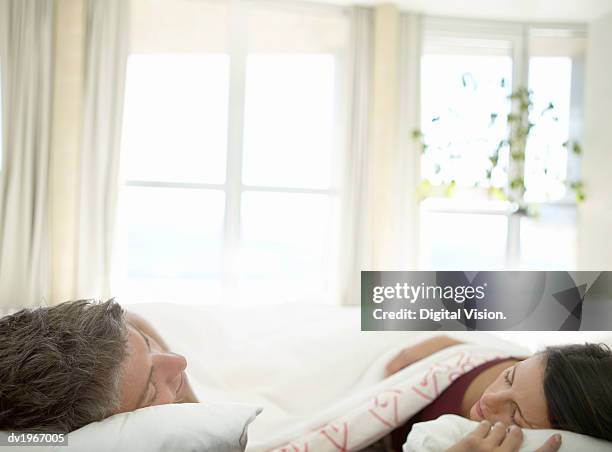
60	366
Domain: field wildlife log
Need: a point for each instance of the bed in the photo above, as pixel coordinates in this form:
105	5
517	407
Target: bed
317	377
305	365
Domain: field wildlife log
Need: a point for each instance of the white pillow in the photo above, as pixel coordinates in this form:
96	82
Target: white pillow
180	427
448	430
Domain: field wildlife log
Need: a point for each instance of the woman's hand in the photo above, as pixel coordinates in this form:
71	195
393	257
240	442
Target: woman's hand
417	352
498	439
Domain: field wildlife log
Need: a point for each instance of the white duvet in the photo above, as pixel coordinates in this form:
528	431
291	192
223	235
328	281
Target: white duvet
304	365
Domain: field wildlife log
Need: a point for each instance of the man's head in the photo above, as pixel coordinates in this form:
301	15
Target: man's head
60	366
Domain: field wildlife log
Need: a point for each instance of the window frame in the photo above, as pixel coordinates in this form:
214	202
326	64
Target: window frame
520	36
233	187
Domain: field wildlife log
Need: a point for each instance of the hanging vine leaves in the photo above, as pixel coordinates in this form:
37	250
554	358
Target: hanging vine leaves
575	147
517	183
550	107
519	131
493	118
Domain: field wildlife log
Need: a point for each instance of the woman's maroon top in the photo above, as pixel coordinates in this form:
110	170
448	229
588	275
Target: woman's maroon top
448	402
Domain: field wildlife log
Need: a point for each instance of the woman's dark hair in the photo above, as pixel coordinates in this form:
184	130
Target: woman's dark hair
578	388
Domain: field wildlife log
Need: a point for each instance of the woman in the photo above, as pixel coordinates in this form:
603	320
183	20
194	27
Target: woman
565	387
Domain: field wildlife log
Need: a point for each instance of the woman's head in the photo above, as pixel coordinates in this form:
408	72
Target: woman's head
516	396
565	387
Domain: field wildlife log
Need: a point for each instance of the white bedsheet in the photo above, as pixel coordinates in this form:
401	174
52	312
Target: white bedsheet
295	361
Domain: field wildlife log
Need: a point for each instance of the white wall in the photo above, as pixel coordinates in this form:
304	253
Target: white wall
595	215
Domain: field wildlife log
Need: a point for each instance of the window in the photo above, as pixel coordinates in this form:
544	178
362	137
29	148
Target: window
546	162
275	85
230	154
468	71
288	171
176	118
459	95
174	151
547	239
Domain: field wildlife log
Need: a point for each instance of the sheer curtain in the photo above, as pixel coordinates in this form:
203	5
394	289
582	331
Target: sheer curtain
357	239
26	60
409	151
106	50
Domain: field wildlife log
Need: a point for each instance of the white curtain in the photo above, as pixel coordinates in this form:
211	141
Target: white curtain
26	61
408	166
356	238
106	50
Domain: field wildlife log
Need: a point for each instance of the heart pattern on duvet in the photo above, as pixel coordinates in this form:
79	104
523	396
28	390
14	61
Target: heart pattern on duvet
385	407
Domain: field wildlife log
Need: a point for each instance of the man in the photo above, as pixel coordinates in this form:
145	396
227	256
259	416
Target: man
65	366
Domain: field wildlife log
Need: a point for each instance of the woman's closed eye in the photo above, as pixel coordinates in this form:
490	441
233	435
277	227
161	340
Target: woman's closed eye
508	377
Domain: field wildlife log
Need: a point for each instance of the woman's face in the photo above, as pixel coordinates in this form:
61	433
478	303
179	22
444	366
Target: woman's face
516	397
150	376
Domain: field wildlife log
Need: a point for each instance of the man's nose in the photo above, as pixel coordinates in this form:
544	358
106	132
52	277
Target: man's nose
172	362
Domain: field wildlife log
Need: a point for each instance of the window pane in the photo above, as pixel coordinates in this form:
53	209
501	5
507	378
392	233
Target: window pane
289	120
546	158
286	238
173	233
549	241
474	241
175	118
459	96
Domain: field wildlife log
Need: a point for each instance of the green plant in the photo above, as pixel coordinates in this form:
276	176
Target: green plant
515	144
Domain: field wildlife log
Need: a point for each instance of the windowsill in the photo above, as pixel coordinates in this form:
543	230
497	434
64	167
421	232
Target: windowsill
482	207
488	207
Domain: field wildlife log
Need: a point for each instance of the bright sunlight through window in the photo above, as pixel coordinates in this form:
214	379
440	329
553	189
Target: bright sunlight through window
176	241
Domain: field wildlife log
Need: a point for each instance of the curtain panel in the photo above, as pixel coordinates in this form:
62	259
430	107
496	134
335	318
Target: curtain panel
26	62
106	50
356	244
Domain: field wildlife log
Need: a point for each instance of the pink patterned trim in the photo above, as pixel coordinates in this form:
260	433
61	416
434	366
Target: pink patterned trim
293	448
381	404
390	407
343	446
